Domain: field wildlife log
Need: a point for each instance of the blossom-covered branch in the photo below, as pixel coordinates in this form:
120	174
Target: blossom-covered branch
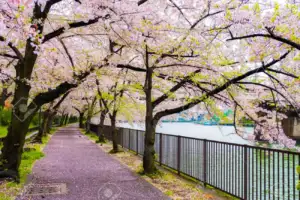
61	30
219	89
270	35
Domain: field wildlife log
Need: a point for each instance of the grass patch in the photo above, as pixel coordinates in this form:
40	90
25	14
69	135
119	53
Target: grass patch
32	126
169	183
169	193
154	175
9	190
53	130
92	136
115	152
3	131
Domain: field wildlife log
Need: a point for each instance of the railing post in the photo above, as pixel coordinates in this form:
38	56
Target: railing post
245	172
160	148
122	137
204	161
129	139
178	153
137	142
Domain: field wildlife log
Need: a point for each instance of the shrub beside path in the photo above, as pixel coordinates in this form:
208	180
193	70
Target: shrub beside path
88	173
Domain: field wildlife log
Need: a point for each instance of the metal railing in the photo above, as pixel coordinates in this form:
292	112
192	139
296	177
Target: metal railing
243	171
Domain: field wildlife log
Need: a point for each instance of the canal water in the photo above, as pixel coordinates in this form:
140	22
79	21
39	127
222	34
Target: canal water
217	133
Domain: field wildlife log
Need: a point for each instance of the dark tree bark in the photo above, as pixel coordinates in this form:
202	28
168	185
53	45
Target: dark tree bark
103	113
112	115
90	113
49	123
114	133
101	127
42	128
62	120
87	124
140	2
81	118
149	151
66	119
48	116
13	146
270	34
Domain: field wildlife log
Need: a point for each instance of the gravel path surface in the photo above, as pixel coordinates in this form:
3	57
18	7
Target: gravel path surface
87	171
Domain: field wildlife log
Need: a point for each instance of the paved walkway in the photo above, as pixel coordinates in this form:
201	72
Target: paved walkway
88	172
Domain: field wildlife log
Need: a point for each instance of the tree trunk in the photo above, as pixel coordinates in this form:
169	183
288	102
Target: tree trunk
81	116
66	120
42	128
114	135
88	126
62	120
149	151
12	150
101	128
49	122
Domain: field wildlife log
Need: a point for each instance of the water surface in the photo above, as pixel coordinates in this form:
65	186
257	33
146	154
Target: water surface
217	133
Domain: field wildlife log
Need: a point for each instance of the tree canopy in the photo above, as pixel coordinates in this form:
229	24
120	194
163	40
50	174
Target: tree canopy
154	58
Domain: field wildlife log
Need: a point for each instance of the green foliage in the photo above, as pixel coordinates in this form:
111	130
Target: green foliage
5	116
256	8
298	171
9	190
246	121
169	193
35	120
32	155
53	130
276	12
90	135
156	156
3	131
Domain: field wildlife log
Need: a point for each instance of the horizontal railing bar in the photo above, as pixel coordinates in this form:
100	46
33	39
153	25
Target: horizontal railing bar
220	142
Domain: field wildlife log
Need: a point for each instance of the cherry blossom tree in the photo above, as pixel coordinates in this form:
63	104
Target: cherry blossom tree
170	61
176	55
29	33
267	29
195	59
47	118
116	100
